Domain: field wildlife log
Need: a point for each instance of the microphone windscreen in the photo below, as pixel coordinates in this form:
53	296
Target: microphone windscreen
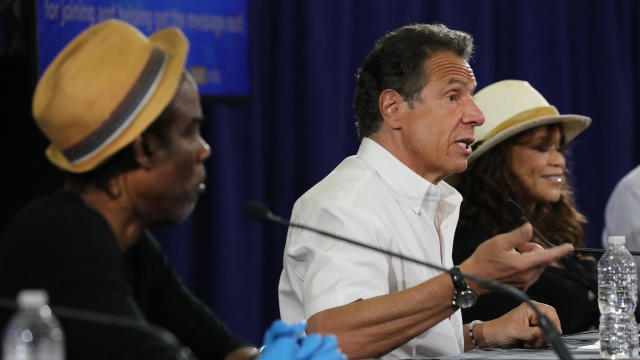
255	210
513	209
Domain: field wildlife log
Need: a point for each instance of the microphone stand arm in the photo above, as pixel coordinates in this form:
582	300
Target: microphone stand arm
93	317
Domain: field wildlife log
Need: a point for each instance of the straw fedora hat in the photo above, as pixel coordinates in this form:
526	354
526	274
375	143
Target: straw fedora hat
513	106
104	89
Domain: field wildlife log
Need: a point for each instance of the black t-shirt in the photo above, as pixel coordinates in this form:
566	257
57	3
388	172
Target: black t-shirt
58	244
572	291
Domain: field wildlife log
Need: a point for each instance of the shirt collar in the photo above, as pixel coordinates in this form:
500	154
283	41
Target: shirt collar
418	192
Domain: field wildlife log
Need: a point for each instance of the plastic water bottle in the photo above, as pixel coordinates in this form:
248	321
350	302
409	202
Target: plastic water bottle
33	333
617	296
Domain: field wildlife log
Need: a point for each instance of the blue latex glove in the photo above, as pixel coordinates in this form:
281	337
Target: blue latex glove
284	341
280	329
316	347
281	341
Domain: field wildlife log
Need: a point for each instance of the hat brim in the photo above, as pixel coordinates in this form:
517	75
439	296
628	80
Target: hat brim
572	125
173	42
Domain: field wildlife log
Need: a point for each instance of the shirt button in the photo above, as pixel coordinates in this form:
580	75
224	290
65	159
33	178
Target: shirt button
590	295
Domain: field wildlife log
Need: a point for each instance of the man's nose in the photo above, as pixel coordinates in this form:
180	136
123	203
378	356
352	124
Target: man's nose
472	114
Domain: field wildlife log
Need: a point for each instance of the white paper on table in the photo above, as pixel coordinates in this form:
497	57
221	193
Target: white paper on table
594	346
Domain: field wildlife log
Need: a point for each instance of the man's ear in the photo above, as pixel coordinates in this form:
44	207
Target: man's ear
143	152
390	103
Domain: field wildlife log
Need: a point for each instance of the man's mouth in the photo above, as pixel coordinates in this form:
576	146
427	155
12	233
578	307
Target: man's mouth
465	144
201	187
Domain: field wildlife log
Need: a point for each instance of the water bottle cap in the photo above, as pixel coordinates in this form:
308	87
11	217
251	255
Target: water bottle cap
32	298
616	240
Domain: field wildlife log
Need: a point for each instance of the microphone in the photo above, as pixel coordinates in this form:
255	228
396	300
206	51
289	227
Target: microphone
182	353
517	213
258	211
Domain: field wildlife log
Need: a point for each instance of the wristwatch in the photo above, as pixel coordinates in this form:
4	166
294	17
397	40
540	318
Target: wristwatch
464	296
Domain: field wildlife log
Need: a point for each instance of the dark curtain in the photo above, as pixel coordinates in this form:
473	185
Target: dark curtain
297	124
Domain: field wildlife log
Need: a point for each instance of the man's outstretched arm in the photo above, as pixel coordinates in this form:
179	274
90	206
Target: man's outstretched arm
373	327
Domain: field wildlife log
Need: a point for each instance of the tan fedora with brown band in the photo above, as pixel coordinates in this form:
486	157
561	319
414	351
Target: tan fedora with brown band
513	106
104	89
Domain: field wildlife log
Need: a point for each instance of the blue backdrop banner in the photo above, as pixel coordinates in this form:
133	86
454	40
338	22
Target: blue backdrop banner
217	30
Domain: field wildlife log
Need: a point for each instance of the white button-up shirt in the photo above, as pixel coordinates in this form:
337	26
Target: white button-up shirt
620	216
373	198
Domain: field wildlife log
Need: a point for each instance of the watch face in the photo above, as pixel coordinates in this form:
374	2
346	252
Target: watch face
466	299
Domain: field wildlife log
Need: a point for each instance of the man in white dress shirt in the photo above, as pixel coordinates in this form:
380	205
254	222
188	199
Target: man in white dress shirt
620	216
416	120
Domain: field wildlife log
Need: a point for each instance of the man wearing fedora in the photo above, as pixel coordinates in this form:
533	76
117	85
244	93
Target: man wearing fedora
416	120
123	117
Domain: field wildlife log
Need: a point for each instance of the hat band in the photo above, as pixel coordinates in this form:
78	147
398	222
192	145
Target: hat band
519	118
133	102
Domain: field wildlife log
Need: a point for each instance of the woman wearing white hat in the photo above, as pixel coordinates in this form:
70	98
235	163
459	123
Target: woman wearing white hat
519	154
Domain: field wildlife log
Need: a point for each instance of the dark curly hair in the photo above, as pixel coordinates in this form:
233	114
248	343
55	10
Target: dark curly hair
397	62
489	182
